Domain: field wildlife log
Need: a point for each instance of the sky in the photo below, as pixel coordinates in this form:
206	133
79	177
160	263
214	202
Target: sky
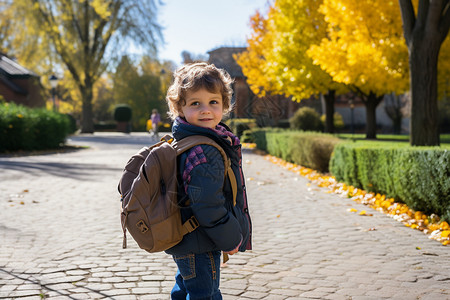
198	26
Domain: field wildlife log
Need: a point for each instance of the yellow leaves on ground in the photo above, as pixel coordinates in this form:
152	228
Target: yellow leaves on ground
436	229
248	145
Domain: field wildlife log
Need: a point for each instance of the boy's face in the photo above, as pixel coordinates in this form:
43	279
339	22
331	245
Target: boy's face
203	108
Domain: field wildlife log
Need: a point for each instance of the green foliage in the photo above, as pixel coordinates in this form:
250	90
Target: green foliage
309	149
307	119
337	120
122	113
23	128
143	86
238	126
417	176
72	123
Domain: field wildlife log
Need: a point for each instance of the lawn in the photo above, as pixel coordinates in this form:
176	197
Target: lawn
444	138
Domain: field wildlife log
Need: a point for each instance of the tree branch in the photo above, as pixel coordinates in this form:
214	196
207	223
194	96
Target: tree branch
422	14
444	25
434	15
408	18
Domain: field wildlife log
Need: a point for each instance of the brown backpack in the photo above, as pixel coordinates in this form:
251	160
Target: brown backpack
148	187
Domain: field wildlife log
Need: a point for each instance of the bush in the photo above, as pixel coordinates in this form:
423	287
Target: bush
417	176
338	121
306	119
72	124
309	149
122	113
23	128
238	126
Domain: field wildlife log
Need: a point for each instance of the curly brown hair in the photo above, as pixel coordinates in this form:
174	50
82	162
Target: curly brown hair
192	77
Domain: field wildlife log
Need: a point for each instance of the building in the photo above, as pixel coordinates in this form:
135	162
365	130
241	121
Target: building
18	84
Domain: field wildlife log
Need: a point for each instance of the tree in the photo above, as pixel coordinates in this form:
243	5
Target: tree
424	33
276	58
394	106
364	50
252	61
142	86
6	24
85	35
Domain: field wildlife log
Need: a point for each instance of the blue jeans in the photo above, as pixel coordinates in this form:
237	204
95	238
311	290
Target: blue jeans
198	277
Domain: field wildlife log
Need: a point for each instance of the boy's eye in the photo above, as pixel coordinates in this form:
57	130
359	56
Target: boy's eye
195	103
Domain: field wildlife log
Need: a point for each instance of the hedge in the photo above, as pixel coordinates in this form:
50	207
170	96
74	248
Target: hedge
416	176
309	149
23	128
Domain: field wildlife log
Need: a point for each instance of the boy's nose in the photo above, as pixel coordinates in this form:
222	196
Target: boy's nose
204	110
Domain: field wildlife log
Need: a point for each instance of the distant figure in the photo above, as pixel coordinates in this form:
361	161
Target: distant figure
155	118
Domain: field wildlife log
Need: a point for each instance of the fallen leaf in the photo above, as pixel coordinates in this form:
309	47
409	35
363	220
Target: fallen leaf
352	210
445	233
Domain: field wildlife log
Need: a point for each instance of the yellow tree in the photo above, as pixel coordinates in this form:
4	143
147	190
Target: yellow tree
426	27
278	52
296	25
252	61
85	35
364	50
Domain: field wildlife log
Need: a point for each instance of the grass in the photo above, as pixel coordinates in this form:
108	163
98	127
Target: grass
401	138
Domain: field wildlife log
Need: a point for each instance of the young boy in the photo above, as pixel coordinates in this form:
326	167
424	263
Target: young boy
198	99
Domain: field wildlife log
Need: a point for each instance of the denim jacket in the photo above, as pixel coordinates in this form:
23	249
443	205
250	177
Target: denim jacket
206	193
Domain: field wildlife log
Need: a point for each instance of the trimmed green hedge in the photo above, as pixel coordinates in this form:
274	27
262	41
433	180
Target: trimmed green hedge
23	128
309	149
239	125
417	176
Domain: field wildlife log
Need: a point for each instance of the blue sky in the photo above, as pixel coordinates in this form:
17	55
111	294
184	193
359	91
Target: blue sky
199	26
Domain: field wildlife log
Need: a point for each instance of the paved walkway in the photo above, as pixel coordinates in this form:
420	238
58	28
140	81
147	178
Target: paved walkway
60	237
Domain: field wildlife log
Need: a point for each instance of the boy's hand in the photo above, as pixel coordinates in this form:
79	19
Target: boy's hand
234	250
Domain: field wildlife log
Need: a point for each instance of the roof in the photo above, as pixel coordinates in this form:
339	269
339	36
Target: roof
10	68
223	58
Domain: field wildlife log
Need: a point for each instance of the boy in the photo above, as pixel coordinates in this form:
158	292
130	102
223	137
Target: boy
198	99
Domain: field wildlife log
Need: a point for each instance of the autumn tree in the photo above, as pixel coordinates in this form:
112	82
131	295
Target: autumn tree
252	61
276	58
425	29
6	24
142	86
364	49
84	36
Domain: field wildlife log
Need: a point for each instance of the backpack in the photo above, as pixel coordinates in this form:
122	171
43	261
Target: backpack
148	187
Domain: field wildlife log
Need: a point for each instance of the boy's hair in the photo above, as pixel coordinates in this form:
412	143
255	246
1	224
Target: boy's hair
192	77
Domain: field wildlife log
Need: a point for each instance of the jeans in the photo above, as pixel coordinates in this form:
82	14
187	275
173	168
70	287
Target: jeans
198	277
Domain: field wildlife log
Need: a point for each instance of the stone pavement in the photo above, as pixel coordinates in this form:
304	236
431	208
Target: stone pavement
60	236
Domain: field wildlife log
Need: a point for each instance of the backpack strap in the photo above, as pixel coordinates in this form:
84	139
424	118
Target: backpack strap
194	140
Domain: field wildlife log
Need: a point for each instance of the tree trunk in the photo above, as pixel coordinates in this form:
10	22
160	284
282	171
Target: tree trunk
371	102
329	110
424	123
87	122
